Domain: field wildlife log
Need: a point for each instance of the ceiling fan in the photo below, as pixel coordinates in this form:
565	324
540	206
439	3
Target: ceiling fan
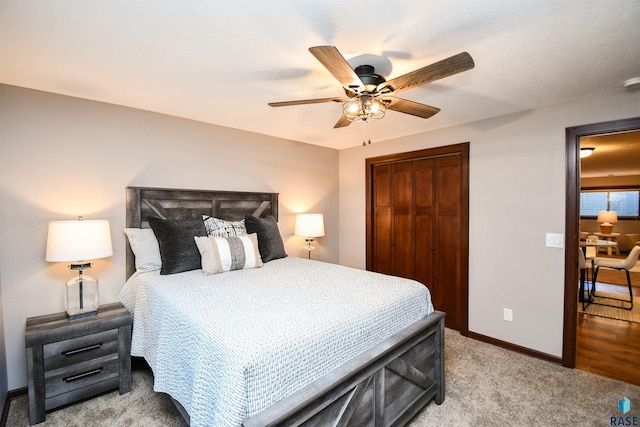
369	95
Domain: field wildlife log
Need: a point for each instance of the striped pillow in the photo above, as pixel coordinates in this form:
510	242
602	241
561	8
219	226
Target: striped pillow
219	254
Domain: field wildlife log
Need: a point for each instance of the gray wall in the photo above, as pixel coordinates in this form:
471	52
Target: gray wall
517	195
62	157
4	387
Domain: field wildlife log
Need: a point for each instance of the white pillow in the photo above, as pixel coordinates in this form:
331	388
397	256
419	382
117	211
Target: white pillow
221	254
144	246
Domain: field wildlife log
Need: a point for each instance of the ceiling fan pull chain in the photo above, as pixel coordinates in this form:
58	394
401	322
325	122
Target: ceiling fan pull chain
364	134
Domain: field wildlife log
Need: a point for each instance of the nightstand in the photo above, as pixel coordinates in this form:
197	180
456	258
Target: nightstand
70	360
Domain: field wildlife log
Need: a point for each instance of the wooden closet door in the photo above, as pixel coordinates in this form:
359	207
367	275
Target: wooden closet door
381	247
402	214
425	213
394	220
417	208
445	287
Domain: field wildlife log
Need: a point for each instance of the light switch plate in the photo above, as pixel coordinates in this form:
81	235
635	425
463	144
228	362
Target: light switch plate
555	240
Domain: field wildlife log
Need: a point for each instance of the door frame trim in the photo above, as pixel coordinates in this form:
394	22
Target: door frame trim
572	214
461	149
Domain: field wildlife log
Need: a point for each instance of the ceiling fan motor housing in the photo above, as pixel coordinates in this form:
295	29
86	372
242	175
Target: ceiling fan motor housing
370	79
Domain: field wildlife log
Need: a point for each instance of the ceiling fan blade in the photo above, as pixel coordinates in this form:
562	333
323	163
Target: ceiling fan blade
332	59
411	107
306	101
342	122
436	71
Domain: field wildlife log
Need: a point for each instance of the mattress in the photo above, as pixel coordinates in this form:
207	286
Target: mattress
227	346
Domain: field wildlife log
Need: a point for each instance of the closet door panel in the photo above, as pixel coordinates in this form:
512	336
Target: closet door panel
447	268
403	244
382	238
446	272
424	216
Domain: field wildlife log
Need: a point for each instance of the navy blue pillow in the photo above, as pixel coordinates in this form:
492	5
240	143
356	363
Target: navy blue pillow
270	242
178	249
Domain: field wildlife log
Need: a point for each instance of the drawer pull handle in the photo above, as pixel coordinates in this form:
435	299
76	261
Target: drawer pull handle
81	350
83	375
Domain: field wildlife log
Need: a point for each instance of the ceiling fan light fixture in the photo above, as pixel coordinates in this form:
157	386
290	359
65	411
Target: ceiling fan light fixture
364	108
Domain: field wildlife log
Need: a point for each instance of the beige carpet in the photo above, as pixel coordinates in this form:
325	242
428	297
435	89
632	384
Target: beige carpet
611	312
485	386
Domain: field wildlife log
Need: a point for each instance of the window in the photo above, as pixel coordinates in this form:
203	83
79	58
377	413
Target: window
625	203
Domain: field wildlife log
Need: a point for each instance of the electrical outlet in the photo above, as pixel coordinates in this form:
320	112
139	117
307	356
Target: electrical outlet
508	315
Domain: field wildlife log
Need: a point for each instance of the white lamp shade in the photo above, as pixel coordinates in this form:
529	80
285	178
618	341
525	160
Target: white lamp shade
610	217
309	225
78	240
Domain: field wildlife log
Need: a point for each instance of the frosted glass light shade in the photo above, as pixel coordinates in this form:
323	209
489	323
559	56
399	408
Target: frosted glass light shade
309	225
78	240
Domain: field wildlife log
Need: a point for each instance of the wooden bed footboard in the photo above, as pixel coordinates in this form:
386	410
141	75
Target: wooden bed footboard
385	386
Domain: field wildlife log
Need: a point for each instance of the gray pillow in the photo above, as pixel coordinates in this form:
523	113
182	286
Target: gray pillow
178	249
269	240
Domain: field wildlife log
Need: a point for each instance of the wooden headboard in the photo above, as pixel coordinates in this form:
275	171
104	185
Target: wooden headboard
174	203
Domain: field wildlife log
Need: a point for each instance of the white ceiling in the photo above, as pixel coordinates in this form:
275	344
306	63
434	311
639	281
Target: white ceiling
221	62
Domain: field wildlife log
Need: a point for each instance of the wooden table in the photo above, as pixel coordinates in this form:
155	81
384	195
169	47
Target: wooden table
612	237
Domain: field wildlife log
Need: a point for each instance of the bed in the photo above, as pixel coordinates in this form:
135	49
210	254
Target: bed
275	344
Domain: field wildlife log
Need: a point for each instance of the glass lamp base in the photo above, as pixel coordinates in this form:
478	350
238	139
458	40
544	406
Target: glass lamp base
82	293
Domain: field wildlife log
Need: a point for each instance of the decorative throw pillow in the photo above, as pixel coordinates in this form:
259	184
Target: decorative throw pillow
144	246
175	239
217	227
221	254
269	239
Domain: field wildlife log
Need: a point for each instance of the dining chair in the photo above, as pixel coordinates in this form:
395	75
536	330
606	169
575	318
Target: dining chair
618	264
632	240
584	293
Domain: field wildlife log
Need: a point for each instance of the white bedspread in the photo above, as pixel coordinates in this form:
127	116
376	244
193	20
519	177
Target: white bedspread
227	346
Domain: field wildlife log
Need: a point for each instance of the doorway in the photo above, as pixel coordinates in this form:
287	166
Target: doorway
573	137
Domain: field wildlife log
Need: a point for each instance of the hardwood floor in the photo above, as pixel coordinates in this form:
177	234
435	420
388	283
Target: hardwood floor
609	347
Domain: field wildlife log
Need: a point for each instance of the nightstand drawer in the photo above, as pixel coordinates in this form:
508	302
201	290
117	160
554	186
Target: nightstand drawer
80	349
83	374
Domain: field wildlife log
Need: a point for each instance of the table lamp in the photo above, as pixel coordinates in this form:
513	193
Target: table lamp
606	218
309	226
77	241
